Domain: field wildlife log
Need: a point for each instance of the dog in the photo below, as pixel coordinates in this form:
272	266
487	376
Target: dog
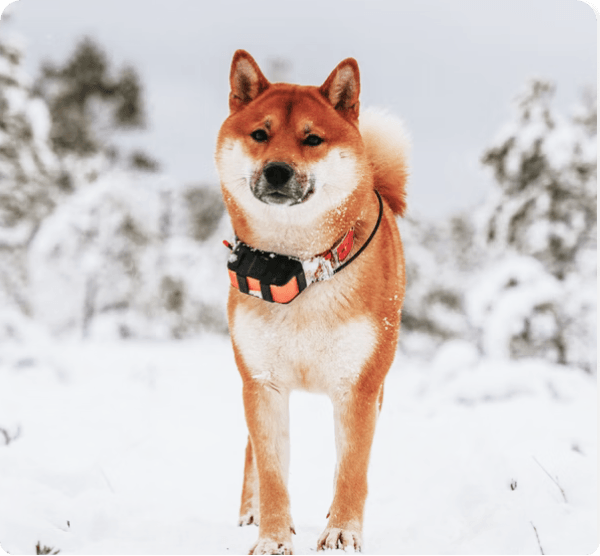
317	278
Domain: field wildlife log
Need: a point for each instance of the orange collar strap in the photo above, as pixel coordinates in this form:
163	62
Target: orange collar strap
280	279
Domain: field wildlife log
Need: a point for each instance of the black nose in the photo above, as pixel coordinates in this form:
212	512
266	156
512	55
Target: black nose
278	173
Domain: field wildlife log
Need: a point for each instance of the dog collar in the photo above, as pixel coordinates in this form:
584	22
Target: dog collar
280	279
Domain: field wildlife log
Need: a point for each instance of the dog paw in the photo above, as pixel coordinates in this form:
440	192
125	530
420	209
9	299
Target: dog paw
248	518
334	537
269	546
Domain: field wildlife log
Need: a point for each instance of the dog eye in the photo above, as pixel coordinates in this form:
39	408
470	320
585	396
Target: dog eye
312	140
260	135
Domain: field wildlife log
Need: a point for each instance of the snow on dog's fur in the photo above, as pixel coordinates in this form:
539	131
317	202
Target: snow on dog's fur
298	170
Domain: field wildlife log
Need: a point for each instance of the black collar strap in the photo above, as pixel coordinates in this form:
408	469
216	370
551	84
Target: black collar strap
280	279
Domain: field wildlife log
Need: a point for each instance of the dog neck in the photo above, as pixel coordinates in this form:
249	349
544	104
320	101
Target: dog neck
278	278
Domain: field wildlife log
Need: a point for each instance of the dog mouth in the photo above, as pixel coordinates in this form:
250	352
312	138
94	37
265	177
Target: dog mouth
288	198
276	198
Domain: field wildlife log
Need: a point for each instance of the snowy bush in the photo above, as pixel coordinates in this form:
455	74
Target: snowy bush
516	304
111	262
522	310
439	260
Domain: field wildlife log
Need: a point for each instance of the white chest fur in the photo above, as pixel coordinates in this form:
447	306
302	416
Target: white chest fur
303	345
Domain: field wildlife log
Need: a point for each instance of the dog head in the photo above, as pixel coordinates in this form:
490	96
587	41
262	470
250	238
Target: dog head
288	155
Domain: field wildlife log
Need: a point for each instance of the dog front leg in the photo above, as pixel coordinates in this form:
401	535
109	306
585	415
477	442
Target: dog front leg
249	509
355	415
267	416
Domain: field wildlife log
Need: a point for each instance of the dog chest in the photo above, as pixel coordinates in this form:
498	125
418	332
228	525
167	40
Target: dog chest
307	347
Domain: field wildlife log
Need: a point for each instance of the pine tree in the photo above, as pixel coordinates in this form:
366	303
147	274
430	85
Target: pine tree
89	105
537	295
545	169
28	168
30	179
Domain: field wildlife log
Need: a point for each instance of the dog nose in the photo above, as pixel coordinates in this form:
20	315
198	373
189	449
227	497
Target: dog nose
278	173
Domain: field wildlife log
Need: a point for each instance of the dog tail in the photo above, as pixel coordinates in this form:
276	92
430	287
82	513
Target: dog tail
388	147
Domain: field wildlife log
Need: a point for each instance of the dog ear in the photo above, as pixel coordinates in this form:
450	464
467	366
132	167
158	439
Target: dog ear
342	88
246	79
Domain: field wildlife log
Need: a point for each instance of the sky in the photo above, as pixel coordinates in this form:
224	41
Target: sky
450	70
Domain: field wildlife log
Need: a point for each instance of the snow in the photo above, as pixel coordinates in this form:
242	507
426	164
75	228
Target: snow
137	447
16	235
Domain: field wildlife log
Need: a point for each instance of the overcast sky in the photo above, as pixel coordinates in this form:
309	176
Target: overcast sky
449	69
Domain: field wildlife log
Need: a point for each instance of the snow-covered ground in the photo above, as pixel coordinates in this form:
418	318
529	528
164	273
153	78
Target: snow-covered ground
137	448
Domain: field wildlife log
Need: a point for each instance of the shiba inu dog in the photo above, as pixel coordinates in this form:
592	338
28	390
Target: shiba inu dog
317	276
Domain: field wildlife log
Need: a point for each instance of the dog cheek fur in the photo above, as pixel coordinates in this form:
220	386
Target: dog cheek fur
300	230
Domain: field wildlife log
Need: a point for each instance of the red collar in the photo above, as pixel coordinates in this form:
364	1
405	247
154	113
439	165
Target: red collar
280	279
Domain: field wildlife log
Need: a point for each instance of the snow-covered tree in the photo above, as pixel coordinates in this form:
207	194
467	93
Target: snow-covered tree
537	295
89	106
518	275
55	137
545	169
31	182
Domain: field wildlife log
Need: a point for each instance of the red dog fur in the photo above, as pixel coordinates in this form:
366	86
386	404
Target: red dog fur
339	336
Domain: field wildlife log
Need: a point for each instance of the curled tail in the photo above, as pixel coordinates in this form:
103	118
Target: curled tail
388	147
